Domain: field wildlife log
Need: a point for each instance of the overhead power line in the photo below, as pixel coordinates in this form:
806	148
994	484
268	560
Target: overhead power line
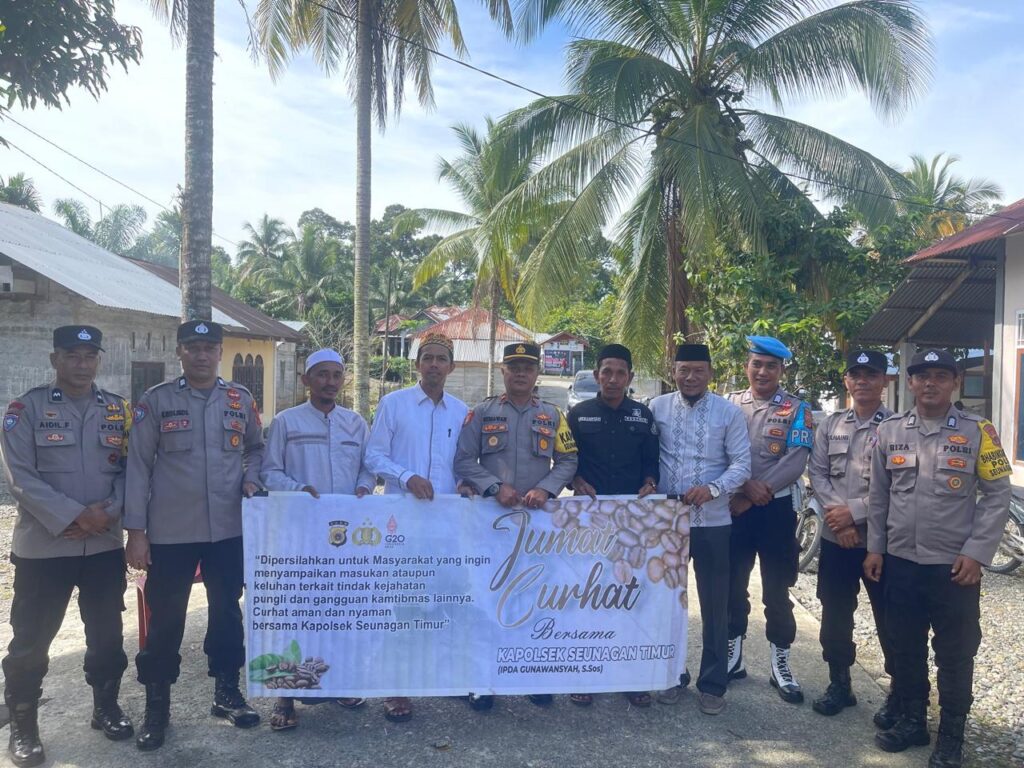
638	129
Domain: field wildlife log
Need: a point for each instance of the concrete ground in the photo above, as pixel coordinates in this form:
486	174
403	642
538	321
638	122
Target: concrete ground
757	728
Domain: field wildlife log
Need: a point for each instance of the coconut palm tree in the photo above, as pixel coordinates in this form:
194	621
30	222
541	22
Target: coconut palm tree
303	278
193	21
661	123
378	43
936	187
266	243
487	171
20	190
118	231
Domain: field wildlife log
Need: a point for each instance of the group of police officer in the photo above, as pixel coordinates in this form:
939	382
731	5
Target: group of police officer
914	504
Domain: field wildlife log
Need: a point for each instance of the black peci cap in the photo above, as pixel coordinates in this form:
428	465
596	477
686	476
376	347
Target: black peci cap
932	358
686	353
615	352
69	336
867	358
521	351
200	330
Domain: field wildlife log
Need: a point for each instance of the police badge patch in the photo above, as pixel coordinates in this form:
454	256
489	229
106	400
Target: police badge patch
337	534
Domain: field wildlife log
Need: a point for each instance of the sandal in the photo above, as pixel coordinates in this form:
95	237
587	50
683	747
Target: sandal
581	699
398	709
283	717
639	698
350	703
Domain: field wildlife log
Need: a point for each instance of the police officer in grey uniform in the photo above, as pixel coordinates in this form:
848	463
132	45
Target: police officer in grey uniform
63	450
839	469
198	448
516	448
939	499
781	431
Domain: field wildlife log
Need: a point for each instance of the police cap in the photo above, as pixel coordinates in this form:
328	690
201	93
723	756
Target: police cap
70	336
200	330
521	351
866	358
769	345
932	358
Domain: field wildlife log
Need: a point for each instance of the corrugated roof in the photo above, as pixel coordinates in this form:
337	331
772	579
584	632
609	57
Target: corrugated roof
981	239
248	321
85	268
474	323
391	321
965	319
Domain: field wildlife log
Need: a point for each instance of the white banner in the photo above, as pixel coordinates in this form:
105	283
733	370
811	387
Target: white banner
389	595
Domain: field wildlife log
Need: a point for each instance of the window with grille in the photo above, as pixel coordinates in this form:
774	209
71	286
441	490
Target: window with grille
248	372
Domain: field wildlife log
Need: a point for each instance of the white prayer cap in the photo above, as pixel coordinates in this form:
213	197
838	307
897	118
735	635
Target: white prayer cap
324	356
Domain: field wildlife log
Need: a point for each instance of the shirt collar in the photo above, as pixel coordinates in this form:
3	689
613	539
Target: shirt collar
421	395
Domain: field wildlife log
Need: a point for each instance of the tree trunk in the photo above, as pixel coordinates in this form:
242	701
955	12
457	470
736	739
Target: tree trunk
492	340
361	308
679	289
197	198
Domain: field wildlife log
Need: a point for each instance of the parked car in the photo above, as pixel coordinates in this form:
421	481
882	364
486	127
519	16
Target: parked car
583	387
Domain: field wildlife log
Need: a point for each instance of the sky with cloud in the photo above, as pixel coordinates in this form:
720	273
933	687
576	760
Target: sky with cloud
284	146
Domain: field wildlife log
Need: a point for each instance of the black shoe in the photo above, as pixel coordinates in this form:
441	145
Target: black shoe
157	717
887	715
911	729
107	715
782	676
541	699
949	745
24	746
839	694
229	703
481	703
684	679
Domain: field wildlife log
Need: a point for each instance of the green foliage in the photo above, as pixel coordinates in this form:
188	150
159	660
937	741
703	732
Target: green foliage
398	370
20	190
593	320
48	48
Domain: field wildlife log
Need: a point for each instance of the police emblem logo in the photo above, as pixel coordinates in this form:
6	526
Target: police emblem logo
492	441
775	447
235	406
520	349
10	421
955	483
368	535
337	534
958	439
543	444
931	357
990	430
899	460
139	412
84	335
235	441
113	458
469	417
863	358
957	463
201	328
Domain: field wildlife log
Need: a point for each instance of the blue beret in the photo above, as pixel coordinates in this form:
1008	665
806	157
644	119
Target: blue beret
766	345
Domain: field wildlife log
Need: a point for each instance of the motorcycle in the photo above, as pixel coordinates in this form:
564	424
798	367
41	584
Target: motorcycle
1010	554
809	525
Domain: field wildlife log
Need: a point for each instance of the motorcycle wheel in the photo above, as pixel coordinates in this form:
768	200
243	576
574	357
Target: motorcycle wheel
808	534
1010	554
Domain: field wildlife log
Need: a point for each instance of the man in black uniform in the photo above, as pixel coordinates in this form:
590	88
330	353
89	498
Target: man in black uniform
617	441
63	448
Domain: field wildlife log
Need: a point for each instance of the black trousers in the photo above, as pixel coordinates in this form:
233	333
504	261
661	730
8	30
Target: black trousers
168	587
42	589
840	574
921	596
709	552
769	534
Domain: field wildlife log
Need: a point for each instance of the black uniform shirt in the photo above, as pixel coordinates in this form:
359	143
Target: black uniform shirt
618	447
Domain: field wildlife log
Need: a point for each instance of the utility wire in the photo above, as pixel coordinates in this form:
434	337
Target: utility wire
41	164
638	129
100	171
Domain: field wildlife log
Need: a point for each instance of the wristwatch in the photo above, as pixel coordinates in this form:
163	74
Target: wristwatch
714	490
492	490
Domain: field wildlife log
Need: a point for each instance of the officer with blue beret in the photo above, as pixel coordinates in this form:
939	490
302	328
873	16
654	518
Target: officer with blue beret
781	431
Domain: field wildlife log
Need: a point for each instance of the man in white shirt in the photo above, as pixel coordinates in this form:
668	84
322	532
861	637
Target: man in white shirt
317	447
415	430
412	443
705	456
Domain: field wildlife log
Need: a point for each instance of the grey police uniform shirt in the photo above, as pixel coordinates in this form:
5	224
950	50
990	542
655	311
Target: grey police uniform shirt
528	446
781	433
57	461
188	459
938	493
840	464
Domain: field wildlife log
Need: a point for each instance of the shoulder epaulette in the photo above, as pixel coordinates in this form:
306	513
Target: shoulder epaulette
161	384
896	416
969	416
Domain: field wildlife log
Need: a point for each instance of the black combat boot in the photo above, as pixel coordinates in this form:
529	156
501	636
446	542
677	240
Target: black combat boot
887	715
24	747
949	746
158	716
839	694
911	729
107	715
229	703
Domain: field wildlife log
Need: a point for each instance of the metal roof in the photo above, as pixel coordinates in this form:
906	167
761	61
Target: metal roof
940	303
474	323
85	268
984	239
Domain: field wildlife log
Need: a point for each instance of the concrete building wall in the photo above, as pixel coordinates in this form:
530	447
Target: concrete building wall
468	382
1011	390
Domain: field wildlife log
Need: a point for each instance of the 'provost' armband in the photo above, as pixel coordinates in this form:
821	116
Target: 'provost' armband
564	441
992	463
801	434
